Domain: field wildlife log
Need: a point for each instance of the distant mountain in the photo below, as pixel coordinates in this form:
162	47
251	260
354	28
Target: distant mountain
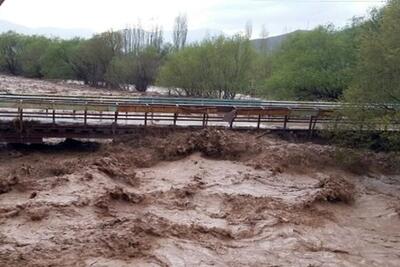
272	43
6	26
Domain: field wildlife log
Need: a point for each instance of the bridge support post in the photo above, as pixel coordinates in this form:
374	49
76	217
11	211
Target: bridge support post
259	122
310	127
54	116
21	118
116	117
85	118
285	122
232	121
115	123
21	114
145	118
313	126
175	118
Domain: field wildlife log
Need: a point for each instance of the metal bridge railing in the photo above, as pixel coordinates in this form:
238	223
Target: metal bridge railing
28	113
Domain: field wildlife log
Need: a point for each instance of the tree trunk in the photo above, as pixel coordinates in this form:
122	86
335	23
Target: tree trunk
142	85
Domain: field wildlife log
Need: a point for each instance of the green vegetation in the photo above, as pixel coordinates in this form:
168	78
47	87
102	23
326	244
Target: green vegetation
358	63
220	67
377	78
376	83
11	46
314	65
111	59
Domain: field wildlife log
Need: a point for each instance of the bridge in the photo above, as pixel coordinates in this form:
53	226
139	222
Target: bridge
31	118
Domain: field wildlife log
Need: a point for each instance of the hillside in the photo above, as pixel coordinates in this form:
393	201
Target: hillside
272	43
6	26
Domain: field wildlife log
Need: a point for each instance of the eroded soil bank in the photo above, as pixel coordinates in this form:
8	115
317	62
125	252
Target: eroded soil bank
205	198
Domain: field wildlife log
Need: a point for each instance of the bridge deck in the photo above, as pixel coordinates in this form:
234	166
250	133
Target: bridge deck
33	117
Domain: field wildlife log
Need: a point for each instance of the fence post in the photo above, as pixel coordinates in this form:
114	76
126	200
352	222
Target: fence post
85	117
116	114
285	122
310	127
54	113
21	118
232	121
175	118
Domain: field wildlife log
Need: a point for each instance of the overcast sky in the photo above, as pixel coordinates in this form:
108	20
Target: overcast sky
230	16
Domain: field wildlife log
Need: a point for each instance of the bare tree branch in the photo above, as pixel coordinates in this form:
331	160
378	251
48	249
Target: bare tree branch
180	32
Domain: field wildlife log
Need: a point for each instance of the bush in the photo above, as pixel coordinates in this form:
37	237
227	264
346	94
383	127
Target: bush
314	65
220	67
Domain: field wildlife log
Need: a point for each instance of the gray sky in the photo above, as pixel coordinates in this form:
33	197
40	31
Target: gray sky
230	16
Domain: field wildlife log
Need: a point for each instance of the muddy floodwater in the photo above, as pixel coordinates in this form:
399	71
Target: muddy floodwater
205	198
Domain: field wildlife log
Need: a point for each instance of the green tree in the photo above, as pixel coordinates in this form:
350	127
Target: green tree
181	72
120	72
11	45
262	71
56	62
376	87
139	69
220	67
377	78
32	54
145	68
313	65
91	59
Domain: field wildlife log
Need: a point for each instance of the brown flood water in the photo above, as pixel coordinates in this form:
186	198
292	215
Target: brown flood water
212	198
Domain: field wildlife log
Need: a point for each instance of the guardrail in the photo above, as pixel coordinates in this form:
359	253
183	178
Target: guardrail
168	101
26	117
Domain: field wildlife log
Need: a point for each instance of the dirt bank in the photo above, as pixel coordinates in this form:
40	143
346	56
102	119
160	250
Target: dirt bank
205	198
